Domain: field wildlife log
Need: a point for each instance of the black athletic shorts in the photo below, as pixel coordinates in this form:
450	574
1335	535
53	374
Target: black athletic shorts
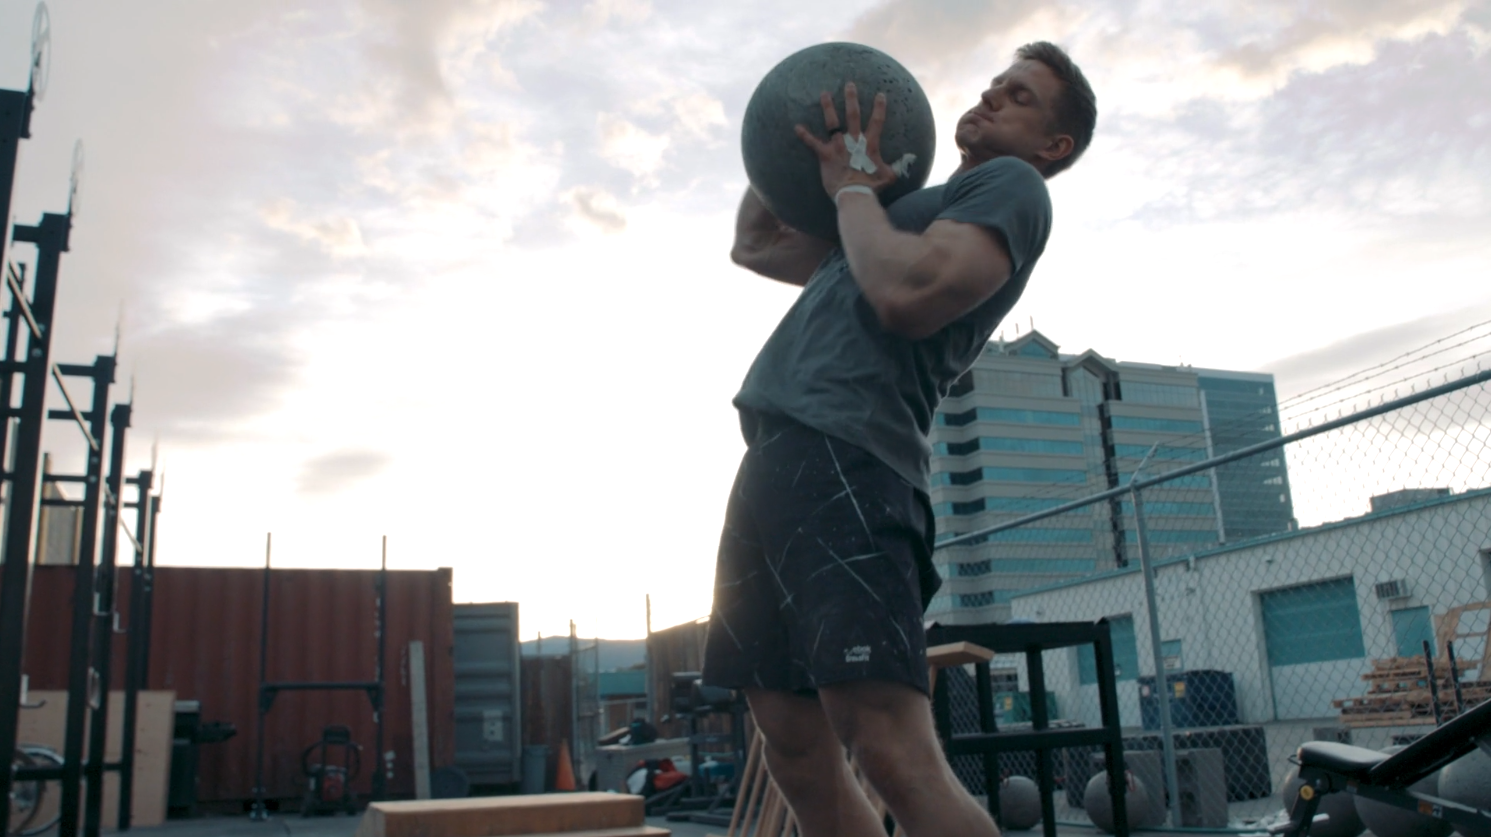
824	570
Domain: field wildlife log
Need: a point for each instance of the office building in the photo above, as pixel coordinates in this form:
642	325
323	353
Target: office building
1029	428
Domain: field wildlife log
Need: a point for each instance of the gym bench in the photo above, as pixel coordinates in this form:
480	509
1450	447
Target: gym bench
1327	767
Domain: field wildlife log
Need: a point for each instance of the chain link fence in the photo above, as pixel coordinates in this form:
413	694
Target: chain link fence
1278	575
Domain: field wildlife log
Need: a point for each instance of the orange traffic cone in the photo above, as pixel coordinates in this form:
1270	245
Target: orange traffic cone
564	774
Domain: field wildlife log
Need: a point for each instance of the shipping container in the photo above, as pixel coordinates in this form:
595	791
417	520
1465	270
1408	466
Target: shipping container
488	726
322	626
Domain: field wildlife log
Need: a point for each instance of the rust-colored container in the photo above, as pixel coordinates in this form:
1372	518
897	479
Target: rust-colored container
322	626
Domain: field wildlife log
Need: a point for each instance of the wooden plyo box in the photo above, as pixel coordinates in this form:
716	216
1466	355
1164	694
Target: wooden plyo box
154	729
576	814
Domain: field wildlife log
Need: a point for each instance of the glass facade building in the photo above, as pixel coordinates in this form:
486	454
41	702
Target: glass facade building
1029	428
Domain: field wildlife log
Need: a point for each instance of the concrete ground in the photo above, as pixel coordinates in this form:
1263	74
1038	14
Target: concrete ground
328	827
346	826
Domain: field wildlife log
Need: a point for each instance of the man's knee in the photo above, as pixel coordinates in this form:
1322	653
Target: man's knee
799	741
887	728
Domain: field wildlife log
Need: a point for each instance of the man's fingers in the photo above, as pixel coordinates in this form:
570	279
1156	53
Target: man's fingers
816	145
851	109
877	121
830	115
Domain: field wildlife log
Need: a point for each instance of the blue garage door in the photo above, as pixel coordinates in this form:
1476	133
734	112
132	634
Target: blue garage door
1312	623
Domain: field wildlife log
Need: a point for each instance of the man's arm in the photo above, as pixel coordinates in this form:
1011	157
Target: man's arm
768	247
917	284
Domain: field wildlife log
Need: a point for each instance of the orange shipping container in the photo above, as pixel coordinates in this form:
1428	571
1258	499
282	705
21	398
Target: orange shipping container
322	626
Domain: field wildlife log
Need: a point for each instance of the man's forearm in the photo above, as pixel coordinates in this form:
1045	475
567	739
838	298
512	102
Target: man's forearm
887	264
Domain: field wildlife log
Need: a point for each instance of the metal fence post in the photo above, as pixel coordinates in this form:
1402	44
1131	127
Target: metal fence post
1162	685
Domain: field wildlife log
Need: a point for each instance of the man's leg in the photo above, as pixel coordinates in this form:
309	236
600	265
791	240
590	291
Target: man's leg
888	729
808	764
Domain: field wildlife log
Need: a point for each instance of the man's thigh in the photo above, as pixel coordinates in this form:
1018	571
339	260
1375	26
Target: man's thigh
843	539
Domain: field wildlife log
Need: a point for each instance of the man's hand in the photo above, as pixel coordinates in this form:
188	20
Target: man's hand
850	157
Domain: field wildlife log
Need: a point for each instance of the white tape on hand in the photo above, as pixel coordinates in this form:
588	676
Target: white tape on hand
858	159
859	188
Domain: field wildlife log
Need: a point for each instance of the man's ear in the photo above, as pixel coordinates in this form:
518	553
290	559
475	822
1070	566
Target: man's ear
1058	147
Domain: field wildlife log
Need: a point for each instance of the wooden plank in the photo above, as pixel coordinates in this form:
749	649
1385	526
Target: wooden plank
957	654
499	816
631	831
154	727
421	719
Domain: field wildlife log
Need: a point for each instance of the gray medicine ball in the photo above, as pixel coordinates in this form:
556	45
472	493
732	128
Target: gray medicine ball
784	172
1099	804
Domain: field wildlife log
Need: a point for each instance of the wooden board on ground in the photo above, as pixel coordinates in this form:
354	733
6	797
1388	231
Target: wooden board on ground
957	654
499	816
154	728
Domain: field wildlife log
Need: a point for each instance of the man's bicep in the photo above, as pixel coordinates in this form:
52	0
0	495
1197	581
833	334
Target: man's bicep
975	259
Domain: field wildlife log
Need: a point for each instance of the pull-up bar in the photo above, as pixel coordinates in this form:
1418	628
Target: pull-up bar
269	690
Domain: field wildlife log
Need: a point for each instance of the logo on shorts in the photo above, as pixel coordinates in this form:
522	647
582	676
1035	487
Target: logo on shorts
857	654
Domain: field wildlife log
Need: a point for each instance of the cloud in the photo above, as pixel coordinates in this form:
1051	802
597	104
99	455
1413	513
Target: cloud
337	236
1404	137
339	470
921	32
596	207
1400	350
629	147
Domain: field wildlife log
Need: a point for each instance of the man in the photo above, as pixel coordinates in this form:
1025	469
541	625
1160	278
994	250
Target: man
825	563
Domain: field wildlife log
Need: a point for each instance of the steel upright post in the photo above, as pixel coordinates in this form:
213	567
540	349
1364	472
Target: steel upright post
135	675
15	125
82	675
259	811
50	238
104	612
1162	684
380	776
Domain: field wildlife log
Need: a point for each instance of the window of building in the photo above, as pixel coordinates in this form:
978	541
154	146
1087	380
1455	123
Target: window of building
1035	566
1166	507
1008	445
1155	424
1312	623
1173	535
1007	382
1174	395
1190	481
1014	505
1161	452
1008	416
985	598
1125	653
1411	628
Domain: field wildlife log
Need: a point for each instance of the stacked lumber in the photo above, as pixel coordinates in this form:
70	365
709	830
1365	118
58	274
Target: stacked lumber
1399	694
550	815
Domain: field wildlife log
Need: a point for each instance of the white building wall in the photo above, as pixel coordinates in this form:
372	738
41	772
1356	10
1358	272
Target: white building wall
1211	603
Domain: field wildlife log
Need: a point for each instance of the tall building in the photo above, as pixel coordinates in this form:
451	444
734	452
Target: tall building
1029	428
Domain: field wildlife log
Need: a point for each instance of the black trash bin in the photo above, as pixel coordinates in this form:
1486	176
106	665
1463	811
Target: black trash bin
186	740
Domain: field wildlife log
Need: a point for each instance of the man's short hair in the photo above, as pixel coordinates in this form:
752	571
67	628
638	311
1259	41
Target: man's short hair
1076	112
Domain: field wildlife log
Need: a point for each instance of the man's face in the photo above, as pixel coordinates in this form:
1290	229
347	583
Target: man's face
1013	117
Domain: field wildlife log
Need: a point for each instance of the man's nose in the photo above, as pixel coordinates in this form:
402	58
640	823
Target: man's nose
992	98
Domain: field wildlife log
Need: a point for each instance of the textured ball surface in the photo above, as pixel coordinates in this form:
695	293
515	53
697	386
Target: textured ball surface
1100	806
1388	821
784	171
1467	780
1019	803
1340	807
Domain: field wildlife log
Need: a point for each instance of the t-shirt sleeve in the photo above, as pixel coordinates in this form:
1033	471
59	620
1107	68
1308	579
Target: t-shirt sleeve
1009	197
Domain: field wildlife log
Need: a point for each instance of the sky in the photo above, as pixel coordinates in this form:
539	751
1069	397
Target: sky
457	272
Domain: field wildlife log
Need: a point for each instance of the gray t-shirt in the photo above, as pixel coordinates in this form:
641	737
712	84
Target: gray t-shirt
831	366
